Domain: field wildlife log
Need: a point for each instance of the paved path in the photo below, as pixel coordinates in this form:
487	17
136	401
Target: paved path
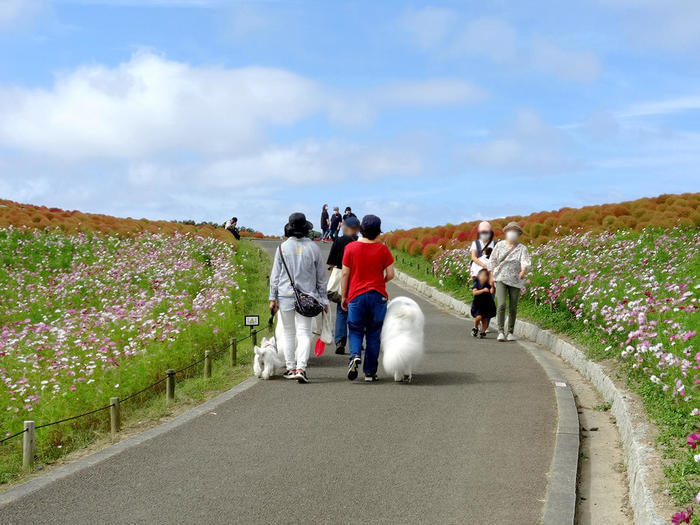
470	441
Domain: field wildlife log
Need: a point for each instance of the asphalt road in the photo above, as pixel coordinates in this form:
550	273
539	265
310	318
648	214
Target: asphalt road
470	441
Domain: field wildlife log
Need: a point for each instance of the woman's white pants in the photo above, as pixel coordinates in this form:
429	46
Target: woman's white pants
297	339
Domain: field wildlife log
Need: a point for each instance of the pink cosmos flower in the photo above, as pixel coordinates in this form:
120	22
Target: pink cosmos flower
682	516
693	440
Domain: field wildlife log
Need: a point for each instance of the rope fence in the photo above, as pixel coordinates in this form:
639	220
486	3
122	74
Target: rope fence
115	402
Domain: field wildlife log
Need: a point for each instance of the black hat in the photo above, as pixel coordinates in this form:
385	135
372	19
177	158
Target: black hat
297	226
371	226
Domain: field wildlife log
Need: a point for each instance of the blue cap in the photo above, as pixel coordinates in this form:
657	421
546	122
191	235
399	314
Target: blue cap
372	224
352	222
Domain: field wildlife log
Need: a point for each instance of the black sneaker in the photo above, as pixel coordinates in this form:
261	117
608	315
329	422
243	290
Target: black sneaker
352	367
475	332
290	374
340	348
302	377
371	379
482	335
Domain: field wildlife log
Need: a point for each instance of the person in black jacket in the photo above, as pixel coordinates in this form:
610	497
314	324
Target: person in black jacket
336	218
325	223
348	213
232	226
351	227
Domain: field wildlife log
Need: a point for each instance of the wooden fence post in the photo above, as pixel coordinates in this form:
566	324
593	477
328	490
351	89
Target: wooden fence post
28	444
115	416
255	338
170	385
207	365
232	351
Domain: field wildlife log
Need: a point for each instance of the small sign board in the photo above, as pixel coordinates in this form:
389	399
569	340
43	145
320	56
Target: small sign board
252	320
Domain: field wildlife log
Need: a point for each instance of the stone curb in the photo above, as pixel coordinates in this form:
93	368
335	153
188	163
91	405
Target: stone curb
38	483
631	434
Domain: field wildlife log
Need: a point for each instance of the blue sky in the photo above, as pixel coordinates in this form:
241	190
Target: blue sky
420	113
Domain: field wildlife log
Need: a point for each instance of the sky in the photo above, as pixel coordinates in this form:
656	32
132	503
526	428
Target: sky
421	113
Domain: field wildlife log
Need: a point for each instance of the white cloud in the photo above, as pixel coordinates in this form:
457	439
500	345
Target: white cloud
489	37
653	23
572	65
13	12
150	104
663	107
429	26
434	92
529	145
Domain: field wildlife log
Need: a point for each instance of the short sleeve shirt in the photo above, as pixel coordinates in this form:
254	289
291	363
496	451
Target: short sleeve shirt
367	262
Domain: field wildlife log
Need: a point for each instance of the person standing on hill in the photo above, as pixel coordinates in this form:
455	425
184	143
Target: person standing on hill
367	266
351	227
348	213
325	223
297	260
509	262
336	219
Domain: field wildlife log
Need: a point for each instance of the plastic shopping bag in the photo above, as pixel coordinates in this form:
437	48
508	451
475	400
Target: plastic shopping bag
326	333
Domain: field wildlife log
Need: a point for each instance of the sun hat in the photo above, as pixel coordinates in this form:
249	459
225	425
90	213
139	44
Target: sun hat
297	226
513	226
352	222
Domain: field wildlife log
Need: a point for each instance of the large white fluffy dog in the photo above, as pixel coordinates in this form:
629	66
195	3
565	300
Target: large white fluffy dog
402	338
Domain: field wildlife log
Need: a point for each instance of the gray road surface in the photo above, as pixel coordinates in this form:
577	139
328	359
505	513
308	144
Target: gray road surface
470	441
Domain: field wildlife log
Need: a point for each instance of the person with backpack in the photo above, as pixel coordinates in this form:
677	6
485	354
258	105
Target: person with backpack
351	227
478	248
509	263
298	292
367	266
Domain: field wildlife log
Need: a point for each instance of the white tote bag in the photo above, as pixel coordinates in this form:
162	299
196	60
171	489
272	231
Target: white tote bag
333	286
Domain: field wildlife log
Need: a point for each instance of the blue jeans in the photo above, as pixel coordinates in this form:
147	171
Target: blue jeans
341	325
365	319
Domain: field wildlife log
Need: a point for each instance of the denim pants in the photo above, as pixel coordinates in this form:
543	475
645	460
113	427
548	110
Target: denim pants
365	319
341	325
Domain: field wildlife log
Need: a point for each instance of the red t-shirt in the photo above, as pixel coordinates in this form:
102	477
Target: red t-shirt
367	262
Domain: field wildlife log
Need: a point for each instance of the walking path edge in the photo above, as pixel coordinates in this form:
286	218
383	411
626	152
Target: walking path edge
37	483
631	433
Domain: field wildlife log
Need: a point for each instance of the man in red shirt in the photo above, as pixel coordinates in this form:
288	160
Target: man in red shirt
367	266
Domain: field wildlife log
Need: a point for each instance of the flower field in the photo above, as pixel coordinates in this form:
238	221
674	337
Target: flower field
87	316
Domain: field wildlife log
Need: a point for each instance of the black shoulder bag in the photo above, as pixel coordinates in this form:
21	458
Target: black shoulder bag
305	304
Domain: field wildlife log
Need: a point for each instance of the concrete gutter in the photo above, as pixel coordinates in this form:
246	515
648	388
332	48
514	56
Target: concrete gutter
632	434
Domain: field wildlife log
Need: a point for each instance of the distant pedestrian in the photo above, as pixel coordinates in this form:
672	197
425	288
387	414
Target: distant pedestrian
336	219
509	262
367	266
483	307
348	213
484	240
232	226
351	227
302	258
325	223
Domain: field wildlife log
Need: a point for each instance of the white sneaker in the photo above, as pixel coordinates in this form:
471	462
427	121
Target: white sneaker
511	337
501	337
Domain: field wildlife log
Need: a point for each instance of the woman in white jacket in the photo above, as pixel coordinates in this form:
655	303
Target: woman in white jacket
304	262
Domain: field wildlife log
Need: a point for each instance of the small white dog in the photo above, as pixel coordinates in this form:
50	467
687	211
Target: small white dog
268	359
402	338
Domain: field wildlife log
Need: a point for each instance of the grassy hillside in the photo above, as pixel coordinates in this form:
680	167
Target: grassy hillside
665	211
95	306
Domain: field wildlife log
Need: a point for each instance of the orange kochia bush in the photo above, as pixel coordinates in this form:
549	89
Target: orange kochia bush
663	211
